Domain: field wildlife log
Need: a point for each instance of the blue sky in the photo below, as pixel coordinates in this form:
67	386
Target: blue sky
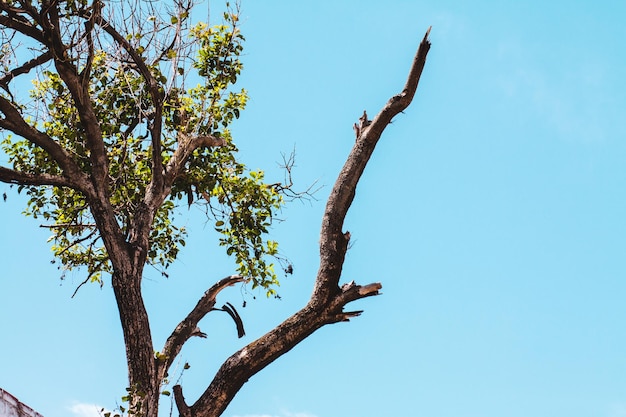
493	212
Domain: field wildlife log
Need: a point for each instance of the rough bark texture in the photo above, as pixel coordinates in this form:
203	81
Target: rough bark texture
328	300
128	253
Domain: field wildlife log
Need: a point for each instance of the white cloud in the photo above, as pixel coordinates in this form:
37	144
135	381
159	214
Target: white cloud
85	410
288	414
282	414
255	415
94	410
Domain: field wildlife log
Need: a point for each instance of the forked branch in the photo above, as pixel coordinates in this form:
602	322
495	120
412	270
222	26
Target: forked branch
333	242
15	177
186	328
24	68
328	299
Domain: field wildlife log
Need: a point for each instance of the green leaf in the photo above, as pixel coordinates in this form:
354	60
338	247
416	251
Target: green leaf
241	204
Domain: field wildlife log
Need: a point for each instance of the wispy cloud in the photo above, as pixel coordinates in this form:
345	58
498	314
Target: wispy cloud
94	410
282	414
288	414
255	415
85	410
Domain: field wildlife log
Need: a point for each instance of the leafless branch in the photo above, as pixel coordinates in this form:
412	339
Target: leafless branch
16	22
185	328
24	68
77	241
90	24
286	188
181	405
328	299
66	225
89	276
333	241
15	177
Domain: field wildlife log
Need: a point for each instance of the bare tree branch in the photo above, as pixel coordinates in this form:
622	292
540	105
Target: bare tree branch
14	177
248	361
185	328
286	188
96	7
86	280
25	68
328	299
19	24
232	312
333	242
181	405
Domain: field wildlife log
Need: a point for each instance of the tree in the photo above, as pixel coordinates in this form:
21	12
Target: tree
129	118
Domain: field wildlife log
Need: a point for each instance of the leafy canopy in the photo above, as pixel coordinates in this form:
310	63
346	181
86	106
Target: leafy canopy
196	67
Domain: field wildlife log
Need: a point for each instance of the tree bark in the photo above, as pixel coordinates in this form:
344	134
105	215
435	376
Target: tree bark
328	300
144	384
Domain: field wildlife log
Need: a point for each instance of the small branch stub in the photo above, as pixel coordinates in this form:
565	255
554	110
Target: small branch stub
364	122
370	289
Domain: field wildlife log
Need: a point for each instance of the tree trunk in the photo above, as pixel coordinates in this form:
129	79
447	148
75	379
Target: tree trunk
143	384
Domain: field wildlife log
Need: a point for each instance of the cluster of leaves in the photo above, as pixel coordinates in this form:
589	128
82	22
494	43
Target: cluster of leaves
122	106
132	408
245	224
240	202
